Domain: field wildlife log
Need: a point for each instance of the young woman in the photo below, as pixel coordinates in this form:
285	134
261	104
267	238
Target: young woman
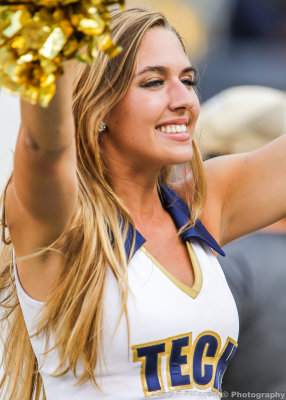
112	287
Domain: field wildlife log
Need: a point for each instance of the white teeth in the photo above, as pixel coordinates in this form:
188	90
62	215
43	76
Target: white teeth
173	128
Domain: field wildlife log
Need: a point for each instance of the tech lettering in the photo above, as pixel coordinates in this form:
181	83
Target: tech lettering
200	364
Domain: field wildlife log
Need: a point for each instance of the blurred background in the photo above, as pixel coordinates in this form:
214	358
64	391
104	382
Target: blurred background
231	42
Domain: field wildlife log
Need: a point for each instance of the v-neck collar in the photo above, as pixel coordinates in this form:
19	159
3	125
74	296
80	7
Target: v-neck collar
180	214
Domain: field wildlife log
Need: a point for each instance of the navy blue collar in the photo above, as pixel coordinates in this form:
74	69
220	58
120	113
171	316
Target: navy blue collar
180	214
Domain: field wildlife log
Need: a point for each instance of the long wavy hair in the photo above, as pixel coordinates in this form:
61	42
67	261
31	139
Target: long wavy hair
73	312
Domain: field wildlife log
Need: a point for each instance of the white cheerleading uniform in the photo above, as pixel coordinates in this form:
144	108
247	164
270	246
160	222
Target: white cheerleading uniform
181	338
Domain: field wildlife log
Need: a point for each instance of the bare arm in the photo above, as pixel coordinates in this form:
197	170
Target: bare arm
43	193
246	191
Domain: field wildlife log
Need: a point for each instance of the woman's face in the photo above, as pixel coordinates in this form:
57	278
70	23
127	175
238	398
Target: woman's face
153	124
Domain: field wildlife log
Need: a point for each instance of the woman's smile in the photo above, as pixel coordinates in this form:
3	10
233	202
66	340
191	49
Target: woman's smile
153	124
175	130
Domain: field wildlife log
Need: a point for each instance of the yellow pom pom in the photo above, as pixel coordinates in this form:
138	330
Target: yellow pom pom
37	36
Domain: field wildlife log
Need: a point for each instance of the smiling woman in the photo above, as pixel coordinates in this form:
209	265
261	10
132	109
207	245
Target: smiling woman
153	124
112	288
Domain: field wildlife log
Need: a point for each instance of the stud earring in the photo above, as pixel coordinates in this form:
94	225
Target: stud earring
102	127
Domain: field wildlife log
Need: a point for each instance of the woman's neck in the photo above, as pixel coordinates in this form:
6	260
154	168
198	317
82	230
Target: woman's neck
140	195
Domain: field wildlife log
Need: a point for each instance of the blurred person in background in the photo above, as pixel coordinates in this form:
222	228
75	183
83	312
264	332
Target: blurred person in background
254	265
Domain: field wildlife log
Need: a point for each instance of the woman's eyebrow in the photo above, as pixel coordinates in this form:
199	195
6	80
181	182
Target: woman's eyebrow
155	68
189	69
163	70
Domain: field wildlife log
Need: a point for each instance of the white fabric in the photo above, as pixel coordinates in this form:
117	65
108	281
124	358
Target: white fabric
158	310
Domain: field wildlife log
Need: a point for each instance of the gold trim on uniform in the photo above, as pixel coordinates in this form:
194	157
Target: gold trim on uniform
198	277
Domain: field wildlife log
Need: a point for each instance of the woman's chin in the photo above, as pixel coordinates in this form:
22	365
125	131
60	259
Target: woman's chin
180	158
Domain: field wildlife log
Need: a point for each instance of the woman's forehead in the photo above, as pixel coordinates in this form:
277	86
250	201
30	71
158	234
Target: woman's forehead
161	46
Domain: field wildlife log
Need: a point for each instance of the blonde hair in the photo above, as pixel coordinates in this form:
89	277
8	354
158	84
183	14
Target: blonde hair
74	309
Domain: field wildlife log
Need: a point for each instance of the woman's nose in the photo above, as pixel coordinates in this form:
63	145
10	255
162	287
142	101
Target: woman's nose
181	96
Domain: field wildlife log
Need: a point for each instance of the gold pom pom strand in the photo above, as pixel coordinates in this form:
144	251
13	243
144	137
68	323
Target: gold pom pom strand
37	36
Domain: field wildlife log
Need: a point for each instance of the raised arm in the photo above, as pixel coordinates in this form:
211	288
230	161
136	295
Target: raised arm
246	191
43	194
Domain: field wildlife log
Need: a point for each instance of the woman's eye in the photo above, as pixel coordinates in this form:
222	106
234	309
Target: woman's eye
190	82
154	83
